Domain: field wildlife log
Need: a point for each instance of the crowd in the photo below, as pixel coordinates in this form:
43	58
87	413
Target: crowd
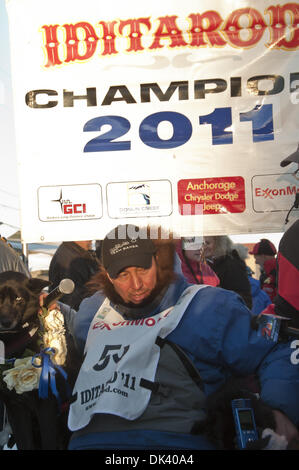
165	333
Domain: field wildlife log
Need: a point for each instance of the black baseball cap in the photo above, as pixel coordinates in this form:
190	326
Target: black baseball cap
123	247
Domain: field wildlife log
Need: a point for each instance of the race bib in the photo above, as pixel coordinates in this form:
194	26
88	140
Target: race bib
121	355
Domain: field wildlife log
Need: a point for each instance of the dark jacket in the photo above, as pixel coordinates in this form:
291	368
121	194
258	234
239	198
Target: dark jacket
232	273
73	262
268	278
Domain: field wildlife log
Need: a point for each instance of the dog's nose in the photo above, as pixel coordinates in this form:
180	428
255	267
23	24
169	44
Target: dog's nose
5	322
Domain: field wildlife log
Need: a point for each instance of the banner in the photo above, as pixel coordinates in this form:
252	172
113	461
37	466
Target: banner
172	113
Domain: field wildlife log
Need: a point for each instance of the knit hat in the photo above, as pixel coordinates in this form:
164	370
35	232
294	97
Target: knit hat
123	247
192	243
264	247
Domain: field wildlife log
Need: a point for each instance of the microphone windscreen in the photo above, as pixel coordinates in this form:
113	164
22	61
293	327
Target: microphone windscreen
66	286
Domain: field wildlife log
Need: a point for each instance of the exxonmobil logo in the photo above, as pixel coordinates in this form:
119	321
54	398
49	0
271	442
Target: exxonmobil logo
271	193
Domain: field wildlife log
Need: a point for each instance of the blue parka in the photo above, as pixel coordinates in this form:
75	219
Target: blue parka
215	331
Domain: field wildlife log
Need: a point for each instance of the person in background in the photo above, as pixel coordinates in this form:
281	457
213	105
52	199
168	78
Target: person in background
286	306
264	253
228	266
10	260
286	302
195	269
260	299
73	260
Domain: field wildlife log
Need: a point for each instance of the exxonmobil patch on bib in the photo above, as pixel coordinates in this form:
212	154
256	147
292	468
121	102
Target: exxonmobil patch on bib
119	354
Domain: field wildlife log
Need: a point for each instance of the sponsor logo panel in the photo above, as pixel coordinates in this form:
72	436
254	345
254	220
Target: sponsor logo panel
217	195
70	202
275	192
139	199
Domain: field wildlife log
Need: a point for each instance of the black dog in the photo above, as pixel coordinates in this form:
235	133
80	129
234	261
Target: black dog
19	299
19	305
37	424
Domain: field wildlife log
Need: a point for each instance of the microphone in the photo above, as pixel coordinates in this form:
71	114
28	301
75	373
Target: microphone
66	286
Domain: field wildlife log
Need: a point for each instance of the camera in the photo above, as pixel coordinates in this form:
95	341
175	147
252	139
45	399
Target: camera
244	422
275	328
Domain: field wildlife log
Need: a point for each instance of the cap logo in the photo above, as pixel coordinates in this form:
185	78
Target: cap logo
125	245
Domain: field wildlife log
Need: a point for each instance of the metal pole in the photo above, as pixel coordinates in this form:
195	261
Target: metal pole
25	254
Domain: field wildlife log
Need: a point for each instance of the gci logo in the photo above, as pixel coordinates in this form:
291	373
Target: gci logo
73	208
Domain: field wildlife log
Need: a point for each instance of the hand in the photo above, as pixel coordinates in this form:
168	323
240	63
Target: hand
285	433
259	444
284	427
52	306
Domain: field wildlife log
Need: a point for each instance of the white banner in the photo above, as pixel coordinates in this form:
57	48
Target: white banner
172	113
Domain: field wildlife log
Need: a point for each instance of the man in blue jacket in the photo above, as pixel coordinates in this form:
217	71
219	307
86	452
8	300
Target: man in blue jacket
140	332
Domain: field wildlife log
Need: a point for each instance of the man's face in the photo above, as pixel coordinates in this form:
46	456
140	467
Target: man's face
259	259
135	284
209	246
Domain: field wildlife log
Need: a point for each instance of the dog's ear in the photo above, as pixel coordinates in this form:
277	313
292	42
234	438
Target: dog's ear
36	285
12	276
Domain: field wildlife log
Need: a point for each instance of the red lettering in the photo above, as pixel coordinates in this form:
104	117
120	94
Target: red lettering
108	37
199	30
255	27
135	34
168	29
137	322
243	28
68	209
167	313
74	46
105	325
292	190
79	208
51	45
279	27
